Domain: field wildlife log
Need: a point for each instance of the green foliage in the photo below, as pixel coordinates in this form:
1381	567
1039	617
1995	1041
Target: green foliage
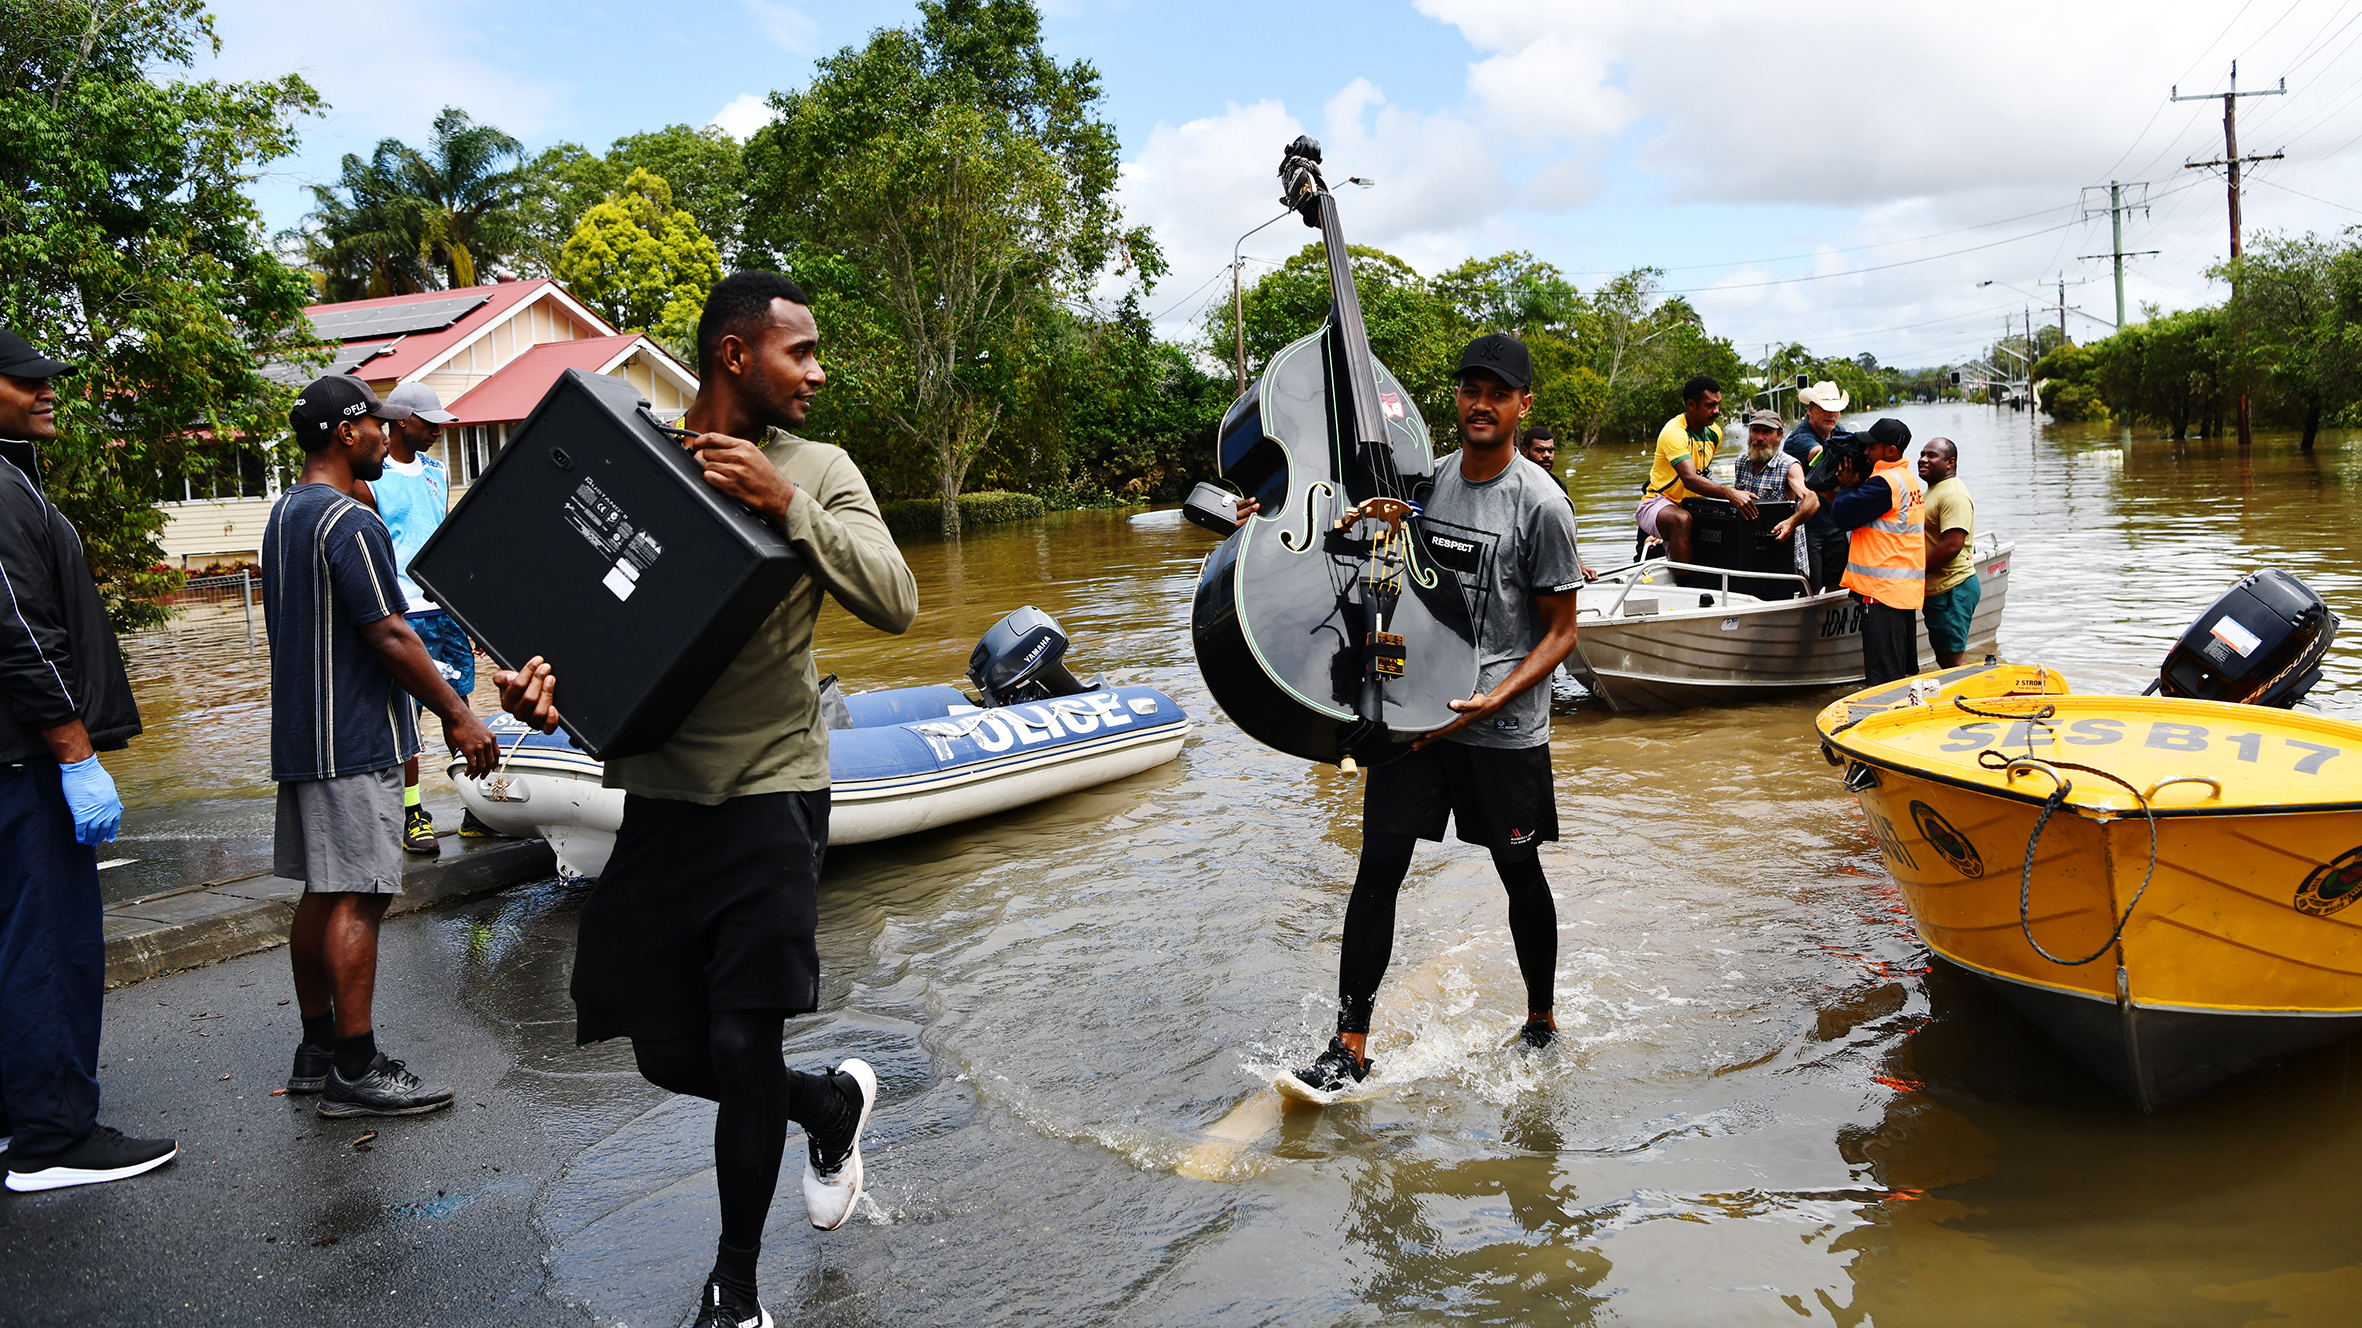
129	248
1412	330
2297	305
388	223
951	186
642	263
985	507
705	167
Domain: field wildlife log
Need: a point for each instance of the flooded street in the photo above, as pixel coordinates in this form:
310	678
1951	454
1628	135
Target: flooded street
1765	1107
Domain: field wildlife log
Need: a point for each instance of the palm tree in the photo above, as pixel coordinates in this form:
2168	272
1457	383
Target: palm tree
389	222
466	188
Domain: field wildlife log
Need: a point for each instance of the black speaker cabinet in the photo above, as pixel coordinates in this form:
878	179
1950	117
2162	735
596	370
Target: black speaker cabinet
593	540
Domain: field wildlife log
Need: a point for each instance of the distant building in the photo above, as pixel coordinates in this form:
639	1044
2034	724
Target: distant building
489	352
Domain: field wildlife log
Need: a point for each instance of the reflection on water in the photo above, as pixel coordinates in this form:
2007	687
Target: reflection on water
1766	1108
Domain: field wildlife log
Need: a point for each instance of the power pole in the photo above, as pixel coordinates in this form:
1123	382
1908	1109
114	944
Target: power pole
2063	308
1238	319
2117	207
2233	160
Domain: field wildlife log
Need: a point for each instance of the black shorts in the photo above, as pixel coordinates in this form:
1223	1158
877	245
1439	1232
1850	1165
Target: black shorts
702	909
1500	797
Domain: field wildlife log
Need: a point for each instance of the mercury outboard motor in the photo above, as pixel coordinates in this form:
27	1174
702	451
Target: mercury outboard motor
1019	659
2261	644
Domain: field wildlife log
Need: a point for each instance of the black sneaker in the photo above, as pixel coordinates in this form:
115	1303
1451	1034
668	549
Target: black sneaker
310	1074
1336	1070
471	828
1538	1032
101	1155
418	832
385	1089
721	1307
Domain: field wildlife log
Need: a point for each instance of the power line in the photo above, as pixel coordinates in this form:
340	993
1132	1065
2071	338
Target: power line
1849	249
1881	267
2302	194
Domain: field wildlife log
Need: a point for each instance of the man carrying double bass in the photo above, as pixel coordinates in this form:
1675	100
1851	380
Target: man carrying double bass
1509	532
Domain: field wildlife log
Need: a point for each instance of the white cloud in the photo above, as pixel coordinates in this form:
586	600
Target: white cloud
1874	147
784	23
746	113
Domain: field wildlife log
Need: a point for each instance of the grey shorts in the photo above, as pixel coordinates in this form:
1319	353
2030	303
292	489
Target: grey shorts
341	835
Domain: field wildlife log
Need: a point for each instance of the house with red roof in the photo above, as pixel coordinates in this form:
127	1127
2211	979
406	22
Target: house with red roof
489	352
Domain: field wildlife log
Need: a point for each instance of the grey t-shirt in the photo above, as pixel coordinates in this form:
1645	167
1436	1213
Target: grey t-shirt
1510	538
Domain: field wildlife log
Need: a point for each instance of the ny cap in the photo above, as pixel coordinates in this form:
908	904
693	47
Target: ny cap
18	359
334	398
422	402
1501	355
1767	419
1885	433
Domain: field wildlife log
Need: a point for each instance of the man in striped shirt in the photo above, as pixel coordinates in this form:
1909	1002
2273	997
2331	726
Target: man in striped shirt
339	647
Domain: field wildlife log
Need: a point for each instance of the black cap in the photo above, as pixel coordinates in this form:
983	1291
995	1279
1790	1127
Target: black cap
1501	355
334	398
18	359
1885	433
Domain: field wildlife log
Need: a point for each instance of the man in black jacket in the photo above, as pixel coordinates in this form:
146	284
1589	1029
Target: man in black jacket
64	698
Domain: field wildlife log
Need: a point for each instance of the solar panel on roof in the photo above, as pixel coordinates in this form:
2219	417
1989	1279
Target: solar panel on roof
394	320
348	357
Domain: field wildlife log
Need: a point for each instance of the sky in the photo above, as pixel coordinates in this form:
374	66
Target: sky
1849	174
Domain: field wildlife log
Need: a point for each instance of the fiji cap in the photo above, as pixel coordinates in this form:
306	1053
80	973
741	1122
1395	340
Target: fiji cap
422	402
1767	419
334	398
18	359
1501	355
1825	394
1885	433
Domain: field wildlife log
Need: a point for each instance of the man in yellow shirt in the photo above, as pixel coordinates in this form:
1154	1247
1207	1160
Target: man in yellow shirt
1952	589
1685	447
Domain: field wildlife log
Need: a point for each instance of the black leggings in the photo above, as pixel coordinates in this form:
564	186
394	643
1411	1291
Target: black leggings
1369	925
739	1065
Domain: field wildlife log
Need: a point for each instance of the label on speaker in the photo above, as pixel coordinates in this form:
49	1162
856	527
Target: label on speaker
600	522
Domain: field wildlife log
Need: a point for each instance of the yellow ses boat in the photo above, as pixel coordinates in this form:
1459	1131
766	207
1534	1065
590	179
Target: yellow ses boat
2162	884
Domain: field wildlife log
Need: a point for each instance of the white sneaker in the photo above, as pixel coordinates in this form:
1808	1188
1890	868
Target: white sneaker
832	1174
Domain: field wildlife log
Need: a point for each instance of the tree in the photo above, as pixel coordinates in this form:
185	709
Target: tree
129	248
705	167
957	182
2300	305
389	222
642	263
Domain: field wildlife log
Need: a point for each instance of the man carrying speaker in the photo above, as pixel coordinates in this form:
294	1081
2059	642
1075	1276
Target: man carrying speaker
341	655
700	939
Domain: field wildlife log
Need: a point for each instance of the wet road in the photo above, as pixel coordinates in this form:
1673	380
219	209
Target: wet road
1767	1109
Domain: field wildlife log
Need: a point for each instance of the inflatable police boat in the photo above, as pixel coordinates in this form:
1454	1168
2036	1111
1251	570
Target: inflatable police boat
899	761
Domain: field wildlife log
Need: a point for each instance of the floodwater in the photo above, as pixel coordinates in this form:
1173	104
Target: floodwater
1765	1108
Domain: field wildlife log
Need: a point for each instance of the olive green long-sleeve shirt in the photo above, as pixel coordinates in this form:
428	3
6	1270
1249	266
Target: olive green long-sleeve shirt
759	729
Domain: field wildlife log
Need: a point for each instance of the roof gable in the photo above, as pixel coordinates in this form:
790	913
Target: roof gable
410	355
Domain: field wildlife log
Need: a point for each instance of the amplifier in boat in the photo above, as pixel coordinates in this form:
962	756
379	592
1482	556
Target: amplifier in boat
1719	537
593	540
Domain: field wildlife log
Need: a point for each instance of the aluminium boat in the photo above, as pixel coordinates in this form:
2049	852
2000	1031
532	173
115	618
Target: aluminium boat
1645	643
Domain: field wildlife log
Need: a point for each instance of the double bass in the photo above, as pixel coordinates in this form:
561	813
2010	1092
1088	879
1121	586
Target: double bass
1325	625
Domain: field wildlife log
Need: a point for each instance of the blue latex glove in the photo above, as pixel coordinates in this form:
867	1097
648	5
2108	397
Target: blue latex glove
90	795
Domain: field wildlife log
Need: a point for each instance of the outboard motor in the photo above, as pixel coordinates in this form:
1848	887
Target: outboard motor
2261	644
1020	659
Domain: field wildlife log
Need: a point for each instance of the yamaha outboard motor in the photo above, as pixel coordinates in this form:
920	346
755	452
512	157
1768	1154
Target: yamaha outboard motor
2261	644
1019	659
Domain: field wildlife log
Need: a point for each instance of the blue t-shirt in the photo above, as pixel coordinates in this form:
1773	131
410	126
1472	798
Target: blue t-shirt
328	569
412	502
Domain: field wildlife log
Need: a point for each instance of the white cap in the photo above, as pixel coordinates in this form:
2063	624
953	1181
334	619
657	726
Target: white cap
422	402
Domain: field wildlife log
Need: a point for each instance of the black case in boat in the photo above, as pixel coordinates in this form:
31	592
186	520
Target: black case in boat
1720	537
593	540
2261	644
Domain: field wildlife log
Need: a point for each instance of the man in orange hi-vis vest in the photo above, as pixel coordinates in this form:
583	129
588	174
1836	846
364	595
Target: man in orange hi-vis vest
1881	504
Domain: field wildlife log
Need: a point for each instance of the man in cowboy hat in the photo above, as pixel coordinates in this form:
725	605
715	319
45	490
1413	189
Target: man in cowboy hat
1825	544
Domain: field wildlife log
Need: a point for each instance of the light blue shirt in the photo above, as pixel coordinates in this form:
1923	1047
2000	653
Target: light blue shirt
412	500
